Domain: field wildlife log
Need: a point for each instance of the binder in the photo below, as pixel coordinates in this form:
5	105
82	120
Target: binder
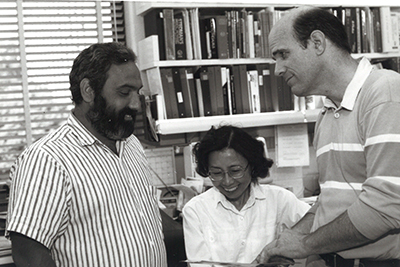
187	100
179	93
169	93
154	25
205	88
192	91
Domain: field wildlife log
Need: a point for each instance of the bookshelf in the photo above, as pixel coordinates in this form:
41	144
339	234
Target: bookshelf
150	64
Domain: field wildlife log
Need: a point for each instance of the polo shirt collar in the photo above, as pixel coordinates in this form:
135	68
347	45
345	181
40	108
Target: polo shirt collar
353	88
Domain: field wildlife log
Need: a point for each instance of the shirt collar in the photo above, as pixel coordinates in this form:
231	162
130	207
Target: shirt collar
353	88
256	193
85	137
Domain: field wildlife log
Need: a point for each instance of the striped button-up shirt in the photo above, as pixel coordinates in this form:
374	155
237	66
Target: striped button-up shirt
88	205
358	148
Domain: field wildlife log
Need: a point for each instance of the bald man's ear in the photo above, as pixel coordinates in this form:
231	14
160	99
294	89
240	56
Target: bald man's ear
318	41
87	91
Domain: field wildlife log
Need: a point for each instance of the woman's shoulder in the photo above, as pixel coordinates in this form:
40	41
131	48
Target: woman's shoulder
275	190
204	198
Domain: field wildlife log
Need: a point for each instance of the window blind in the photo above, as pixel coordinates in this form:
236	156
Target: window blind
38	42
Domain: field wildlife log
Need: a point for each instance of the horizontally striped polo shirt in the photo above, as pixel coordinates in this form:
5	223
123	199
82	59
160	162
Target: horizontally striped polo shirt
89	206
358	155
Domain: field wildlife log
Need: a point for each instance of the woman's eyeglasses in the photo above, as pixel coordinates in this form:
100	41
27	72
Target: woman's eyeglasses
236	172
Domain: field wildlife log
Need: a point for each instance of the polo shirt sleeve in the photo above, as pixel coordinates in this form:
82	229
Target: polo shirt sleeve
377	210
38	204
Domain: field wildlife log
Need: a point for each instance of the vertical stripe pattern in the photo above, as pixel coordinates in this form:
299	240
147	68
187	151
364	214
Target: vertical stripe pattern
89	206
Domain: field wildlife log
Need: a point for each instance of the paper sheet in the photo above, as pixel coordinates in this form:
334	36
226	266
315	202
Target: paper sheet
292	145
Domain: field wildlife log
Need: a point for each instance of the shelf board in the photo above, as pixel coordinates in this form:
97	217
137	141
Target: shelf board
204	62
143	6
240	61
377	55
202	124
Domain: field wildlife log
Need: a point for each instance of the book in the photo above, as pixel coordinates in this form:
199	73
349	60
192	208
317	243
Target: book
350	26
195	27
358	29
154	25
363	25
250	33
287	96
219	90
180	99
169	93
213	90
228	15
370	30
231	89
234	25
274	88
236	89
376	25
395	18
264	87
179	35
254	91
208	33
227	90
242	36
243	88
257	36
188	34
222	36
169	36
388	42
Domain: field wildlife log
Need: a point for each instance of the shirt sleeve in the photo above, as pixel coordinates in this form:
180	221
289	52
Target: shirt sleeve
377	210
38	204
292	209
195	243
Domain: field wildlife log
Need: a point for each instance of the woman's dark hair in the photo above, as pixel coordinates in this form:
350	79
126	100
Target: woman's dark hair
93	63
240	141
323	20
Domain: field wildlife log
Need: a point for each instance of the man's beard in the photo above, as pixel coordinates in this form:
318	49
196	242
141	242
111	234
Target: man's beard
110	123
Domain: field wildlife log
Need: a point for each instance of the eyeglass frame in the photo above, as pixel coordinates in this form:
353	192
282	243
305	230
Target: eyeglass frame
227	172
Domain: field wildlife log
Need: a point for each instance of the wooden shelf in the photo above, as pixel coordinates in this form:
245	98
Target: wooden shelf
149	62
377	55
201	124
149	57
143	7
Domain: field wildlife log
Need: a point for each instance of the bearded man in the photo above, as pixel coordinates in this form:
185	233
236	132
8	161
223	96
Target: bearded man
81	195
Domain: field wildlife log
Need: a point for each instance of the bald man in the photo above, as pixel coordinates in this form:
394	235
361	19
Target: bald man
356	220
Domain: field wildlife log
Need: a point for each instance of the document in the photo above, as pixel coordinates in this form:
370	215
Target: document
233	264
292	145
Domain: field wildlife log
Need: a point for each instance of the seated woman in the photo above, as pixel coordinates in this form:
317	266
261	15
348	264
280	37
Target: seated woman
237	217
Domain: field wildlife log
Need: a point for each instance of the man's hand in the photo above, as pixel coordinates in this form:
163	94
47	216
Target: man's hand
289	244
